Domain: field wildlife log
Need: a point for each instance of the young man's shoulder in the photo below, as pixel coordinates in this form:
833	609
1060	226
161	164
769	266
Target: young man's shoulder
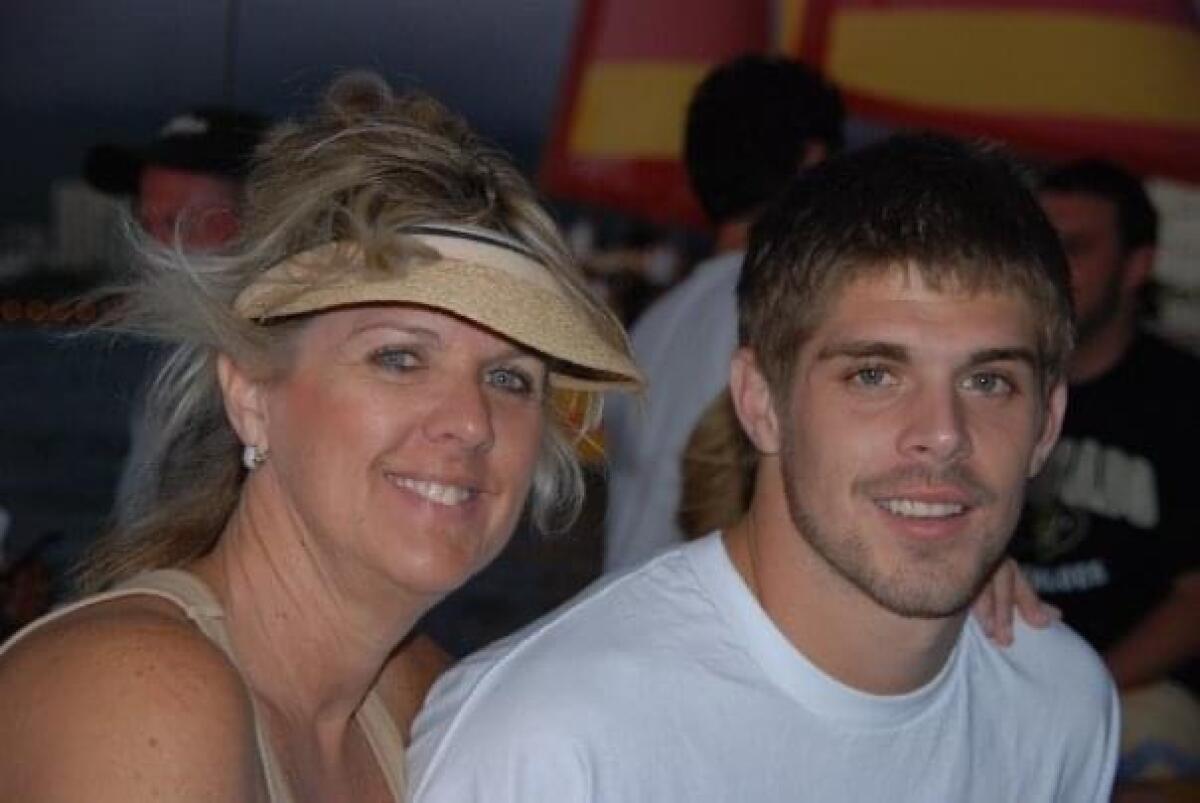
1049	673
613	620
588	663
1060	702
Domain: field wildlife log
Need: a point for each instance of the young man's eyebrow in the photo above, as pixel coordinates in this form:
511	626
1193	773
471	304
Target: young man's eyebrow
893	352
1014	354
859	349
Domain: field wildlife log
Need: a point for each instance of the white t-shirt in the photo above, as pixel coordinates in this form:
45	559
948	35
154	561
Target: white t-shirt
670	683
683	344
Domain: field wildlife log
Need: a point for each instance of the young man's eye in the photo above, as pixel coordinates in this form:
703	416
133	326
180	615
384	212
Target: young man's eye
989	383
872	376
395	359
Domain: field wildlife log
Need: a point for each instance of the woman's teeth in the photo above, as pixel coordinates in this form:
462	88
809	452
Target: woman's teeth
435	491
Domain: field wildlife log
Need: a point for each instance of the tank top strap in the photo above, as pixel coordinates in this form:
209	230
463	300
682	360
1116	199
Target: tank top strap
185	591
386	743
191	595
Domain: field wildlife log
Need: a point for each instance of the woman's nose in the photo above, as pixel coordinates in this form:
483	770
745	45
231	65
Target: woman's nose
463	414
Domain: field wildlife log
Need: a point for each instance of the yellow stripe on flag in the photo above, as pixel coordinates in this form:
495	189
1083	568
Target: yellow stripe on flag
789	27
1027	62
634	110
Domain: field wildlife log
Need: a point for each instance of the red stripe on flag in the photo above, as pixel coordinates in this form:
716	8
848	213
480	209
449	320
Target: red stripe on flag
554	159
1174	12
814	31
656	190
680	30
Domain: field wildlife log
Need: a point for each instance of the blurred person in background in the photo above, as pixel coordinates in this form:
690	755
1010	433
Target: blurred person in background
70	443
358	403
185	189
752	125
1112	531
25	580
185	186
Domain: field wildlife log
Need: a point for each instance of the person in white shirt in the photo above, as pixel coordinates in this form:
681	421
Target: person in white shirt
905	324
751	125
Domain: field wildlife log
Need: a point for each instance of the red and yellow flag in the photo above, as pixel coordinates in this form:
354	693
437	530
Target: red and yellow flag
1061	78
1058	78
617	138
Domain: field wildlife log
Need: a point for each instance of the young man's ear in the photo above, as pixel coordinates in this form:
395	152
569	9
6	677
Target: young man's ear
245	402
1055	408
753	403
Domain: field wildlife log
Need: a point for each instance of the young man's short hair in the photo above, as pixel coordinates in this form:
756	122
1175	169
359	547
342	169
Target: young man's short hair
961	215
747	126
1137	219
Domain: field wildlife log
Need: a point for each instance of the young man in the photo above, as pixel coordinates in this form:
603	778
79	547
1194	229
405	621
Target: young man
1112	524
905	325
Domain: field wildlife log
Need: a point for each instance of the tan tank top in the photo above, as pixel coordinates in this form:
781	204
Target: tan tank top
195	599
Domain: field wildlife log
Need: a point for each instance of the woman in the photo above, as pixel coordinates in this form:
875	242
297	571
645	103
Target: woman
358	404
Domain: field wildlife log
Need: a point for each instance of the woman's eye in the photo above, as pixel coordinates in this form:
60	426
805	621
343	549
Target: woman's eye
511	380
395	359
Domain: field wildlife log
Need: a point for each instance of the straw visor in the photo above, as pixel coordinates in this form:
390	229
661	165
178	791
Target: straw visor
476	274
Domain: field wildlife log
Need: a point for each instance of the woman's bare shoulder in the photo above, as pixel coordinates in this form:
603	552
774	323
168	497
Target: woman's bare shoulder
129	638
118	699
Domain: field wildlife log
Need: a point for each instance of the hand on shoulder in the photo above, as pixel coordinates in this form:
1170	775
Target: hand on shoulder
124	701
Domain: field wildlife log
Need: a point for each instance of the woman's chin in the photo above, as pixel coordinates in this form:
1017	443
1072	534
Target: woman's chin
438	570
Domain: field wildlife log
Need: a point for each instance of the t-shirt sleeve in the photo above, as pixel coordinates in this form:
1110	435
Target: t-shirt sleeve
1091	768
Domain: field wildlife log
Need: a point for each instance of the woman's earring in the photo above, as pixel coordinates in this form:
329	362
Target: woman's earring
253	456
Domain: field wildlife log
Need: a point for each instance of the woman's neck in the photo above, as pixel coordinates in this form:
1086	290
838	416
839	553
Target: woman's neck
309	640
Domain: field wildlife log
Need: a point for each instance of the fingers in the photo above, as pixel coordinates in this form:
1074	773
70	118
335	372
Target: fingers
1008	589
1031	607
1003	582
984	608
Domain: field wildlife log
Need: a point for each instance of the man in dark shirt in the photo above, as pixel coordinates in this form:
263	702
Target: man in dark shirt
1112	525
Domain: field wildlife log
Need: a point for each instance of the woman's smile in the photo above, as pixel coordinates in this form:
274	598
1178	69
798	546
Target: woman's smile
448	494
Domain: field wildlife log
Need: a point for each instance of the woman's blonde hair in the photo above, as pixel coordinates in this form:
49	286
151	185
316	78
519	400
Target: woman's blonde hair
366	164
717	467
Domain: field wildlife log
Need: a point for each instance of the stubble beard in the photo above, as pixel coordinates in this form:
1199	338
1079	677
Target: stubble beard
930	585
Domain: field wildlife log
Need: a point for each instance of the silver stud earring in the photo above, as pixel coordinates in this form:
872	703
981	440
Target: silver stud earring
253	456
